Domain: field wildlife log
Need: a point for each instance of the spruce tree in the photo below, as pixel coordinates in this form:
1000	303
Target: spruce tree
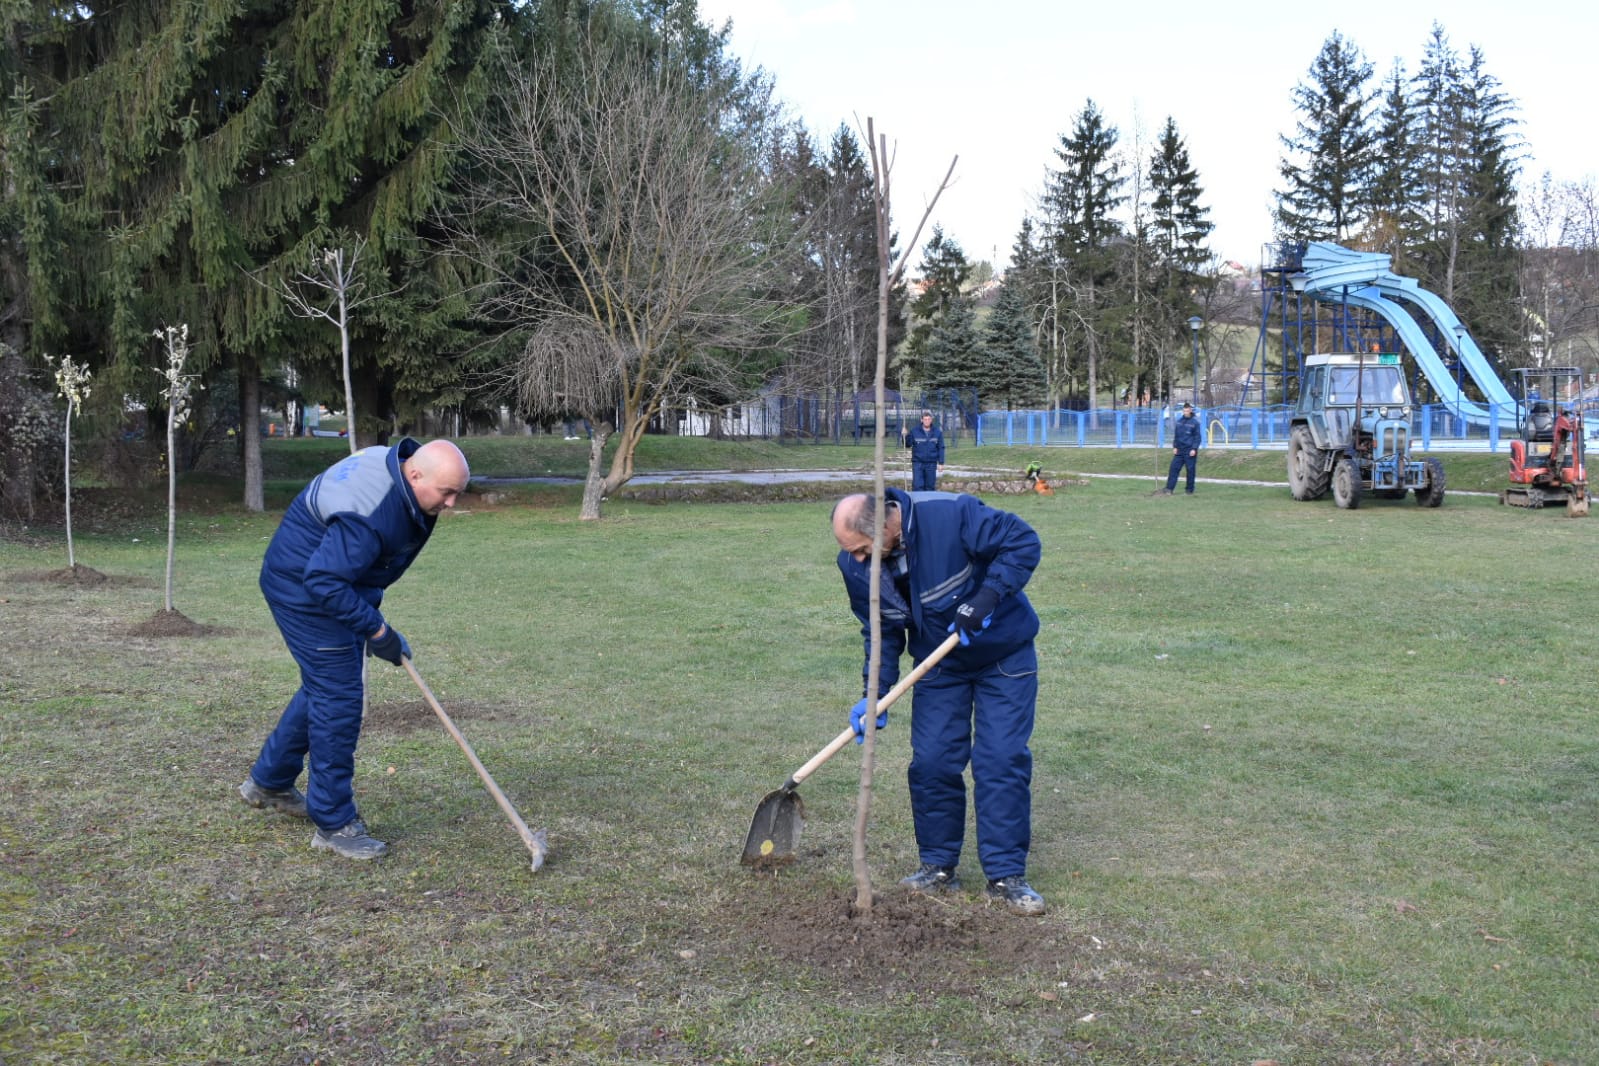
954	356
1487	293
1080	201
1395	223
1469	162
1327	170
192	145
944	270
1012	374
1179	222
1179	232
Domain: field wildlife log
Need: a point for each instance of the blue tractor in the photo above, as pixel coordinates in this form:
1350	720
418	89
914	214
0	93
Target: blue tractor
1351	433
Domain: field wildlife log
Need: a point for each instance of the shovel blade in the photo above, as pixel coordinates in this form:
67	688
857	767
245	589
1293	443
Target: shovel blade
775	830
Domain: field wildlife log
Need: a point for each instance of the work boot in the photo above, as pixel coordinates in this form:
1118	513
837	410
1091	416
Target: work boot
353	841
932	878
1017	894
287	800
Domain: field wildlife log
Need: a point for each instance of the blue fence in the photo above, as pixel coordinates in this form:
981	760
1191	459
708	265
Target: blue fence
1242	427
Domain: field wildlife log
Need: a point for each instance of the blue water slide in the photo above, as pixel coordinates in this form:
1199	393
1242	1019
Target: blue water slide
1364	279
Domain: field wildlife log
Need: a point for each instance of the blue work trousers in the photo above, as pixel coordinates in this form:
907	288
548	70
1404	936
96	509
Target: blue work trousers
924	477
322	721
1181	461
998	700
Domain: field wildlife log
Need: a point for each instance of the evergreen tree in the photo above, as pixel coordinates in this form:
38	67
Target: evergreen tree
1440	122
1487	292
1179	230
1179	223
944	271
954	357
1470	155
1080	201
843	248
191	145
1012	373
1395	223
1082	197
1328	168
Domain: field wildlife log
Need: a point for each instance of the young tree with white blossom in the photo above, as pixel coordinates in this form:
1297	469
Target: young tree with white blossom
72	382
178	390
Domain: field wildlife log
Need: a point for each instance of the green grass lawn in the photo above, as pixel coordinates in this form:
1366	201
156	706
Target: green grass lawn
1311	786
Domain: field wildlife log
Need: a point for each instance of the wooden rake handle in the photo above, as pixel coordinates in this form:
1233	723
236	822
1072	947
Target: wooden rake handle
837	743
534	841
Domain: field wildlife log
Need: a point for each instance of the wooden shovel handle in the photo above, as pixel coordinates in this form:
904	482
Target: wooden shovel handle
837	743
534	841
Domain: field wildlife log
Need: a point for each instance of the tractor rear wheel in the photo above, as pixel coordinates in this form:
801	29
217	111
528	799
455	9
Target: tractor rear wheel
1433	494
1307	480
1346	485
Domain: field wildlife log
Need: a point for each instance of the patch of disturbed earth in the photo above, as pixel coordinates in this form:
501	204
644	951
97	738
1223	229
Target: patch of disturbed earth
931	943
402	717
79	575
175	623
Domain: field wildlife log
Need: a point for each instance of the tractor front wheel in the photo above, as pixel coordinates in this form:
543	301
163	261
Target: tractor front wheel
1433	494
1346	484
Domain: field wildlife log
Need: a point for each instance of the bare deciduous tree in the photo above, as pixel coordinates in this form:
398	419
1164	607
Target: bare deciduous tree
331	288
624	227
888	275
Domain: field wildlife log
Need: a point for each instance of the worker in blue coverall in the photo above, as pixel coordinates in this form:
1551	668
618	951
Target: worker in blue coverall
1185	450
952	564
926	442
348	536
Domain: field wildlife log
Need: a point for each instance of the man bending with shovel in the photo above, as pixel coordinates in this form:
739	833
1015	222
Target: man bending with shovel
348	536
951	564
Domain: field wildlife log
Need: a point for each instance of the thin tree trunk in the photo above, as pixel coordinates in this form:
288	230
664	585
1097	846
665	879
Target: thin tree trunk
250	429
72	560
344	348
172	494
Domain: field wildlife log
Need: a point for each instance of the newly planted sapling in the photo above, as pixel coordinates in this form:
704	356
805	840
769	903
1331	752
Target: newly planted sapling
72	381
178	390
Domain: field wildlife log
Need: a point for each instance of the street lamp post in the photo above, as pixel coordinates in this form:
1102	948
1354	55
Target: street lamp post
1193	331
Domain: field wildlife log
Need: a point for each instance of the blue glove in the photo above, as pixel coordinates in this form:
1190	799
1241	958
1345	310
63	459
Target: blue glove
974	614
857	719
390	646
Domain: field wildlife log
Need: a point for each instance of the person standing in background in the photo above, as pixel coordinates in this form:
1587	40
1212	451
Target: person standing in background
926	442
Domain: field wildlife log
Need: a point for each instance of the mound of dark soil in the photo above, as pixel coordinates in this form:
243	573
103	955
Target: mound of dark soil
79	575
940	944
175	624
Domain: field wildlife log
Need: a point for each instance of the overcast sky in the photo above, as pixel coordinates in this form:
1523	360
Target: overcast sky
999	83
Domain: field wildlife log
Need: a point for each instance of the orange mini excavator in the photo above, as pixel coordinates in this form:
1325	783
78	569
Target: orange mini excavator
1546	461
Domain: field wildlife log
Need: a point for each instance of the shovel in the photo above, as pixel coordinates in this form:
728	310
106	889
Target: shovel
775	830
536	842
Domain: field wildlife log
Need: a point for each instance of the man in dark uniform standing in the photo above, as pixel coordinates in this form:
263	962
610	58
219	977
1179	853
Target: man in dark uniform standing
926	442
1185	450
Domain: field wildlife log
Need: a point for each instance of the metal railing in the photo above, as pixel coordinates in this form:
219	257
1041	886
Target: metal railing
1431	426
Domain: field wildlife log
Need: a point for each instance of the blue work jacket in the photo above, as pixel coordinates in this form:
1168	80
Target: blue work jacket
926	445
347	536
1185	435
952	545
